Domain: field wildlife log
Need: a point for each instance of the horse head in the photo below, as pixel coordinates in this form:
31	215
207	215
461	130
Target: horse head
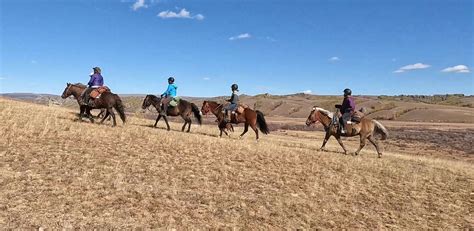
313	117
67	91
149	101
206	108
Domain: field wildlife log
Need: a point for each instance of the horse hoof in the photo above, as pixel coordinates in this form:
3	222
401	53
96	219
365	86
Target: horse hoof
380	155
356	153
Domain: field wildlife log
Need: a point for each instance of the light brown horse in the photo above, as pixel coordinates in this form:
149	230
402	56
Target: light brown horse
107	100
366	129
249	117
184	109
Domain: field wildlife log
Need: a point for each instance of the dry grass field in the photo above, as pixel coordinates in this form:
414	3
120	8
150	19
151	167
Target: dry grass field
57	172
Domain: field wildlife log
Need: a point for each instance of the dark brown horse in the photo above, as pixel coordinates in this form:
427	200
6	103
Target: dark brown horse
249	117
366	129
183	109
107	100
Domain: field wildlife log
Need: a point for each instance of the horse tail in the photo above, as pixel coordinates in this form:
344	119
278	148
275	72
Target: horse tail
379	128
262	124
197	113
119	108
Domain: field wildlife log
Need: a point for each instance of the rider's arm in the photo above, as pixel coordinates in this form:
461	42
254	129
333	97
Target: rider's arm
91	81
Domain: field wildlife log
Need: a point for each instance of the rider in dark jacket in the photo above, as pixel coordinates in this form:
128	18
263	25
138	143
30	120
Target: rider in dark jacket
234	102
96	81
347	108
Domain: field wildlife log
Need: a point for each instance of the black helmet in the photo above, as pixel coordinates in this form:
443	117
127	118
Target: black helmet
347	91
171	79
234	87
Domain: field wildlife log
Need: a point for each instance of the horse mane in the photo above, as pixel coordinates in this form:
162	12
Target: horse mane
324	112
212	102
80	85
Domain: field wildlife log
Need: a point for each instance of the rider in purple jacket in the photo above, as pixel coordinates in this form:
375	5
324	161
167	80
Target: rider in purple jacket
96	81
347	108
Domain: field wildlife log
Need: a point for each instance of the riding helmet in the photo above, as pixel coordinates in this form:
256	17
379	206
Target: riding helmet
234	87
347	91
171	79
97	70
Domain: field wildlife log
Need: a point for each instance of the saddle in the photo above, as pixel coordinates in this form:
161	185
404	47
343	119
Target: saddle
98	91
240	109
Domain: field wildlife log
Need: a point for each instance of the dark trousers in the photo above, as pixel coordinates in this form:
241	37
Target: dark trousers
345	117
86	95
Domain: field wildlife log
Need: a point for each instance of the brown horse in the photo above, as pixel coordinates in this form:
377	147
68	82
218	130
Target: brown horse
107	100
249	117
183	109
366	129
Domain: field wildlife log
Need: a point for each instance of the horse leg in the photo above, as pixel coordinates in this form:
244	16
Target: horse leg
363	140
246	128
82	112
105	116
167	125
326	138
89	115
184	126
254	127
157	119
339	140
374	142
110	110
189	124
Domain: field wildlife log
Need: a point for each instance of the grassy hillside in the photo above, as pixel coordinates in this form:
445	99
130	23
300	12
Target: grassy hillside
441	108
56	172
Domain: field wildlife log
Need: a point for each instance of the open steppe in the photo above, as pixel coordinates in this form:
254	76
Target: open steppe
57	172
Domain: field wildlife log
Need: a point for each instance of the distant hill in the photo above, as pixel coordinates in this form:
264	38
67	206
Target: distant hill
437	108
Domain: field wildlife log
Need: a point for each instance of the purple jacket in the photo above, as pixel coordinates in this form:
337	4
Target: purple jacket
96	80
348	105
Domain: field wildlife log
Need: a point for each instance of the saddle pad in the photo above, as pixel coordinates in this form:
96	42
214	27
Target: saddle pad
174	102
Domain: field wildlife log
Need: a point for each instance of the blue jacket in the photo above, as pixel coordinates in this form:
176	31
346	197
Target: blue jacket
171	91
96	80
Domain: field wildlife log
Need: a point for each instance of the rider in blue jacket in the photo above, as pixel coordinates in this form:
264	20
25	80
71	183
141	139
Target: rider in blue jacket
96	81
168	95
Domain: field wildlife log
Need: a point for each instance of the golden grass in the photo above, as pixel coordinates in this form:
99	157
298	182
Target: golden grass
56	172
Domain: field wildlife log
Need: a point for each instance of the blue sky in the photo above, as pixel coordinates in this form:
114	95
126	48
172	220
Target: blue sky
280	47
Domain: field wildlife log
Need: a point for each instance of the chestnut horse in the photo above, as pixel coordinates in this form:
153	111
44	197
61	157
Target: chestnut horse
183	109
249	117
366	129
107	100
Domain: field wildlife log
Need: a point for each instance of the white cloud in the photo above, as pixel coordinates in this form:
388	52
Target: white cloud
241	36
199	17
411	67
2	78
139	4
183	13
457	69
307	91
334	59
34	62
206	78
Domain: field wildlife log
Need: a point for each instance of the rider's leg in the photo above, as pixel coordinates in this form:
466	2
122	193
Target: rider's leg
345	117
165	102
